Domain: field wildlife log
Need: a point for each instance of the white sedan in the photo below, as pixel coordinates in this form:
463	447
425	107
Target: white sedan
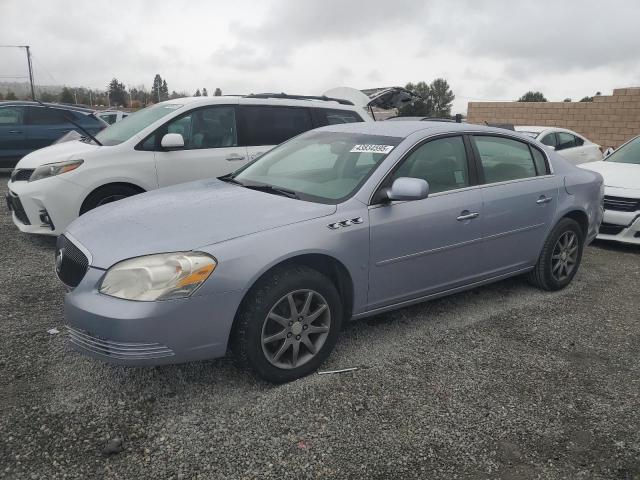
571	145
621	172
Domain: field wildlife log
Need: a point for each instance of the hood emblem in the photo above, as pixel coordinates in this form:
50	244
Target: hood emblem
346	223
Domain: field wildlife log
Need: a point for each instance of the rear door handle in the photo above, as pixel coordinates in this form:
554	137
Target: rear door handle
543	199
466	215
15	131
234	156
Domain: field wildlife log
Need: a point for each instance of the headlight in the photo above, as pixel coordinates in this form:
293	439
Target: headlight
53	169
158	277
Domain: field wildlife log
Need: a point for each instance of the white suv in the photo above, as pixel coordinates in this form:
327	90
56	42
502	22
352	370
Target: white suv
171	142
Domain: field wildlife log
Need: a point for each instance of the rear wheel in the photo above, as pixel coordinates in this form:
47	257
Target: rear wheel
107	194
560	257
288	325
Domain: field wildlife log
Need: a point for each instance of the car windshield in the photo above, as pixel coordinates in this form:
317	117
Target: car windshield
325	167
136	122
629	153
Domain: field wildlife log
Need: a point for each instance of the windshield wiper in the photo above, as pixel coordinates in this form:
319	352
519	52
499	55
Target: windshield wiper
271	189
230	178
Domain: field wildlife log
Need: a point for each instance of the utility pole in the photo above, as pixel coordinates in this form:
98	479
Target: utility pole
33	90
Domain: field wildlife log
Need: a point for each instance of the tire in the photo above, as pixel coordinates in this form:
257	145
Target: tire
107	194
267	331
549	273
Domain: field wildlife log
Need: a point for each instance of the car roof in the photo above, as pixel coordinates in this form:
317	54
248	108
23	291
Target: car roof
530	128
247	99
22	103
404	129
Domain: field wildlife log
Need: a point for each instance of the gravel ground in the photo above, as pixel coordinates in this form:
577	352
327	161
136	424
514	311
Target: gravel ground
500	382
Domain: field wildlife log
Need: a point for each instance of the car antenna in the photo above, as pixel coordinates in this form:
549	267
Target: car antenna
68	118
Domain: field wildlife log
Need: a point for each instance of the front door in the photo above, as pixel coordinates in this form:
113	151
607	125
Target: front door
427	246
210	146
520	197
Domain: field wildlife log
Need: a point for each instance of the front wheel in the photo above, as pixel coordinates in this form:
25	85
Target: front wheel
288	325
560	257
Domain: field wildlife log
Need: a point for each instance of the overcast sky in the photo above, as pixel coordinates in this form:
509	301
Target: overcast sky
487	50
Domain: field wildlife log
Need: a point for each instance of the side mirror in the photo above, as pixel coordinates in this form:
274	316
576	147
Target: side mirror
171	141
408	188
608	152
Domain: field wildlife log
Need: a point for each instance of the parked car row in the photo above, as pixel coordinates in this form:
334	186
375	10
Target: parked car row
304	213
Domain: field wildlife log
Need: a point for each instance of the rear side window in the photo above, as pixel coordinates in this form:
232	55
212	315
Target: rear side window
541	164
442	163
504	159
11	116
45	116
272	125
565	140
326	116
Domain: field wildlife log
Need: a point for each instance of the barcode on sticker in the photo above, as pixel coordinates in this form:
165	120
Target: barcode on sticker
371	148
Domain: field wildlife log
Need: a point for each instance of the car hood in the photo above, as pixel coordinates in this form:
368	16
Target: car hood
185	217
56	153
618	175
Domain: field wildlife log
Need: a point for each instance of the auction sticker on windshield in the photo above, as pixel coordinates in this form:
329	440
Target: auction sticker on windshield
371	149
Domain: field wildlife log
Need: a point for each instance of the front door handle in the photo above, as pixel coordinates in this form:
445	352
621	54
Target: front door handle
234	157
543	199
15	131
466	215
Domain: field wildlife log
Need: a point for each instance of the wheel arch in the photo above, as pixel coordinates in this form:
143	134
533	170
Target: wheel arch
580	217
109	185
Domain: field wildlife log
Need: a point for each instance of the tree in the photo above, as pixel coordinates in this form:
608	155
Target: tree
66	96
1	96
419	108
197	94
531	96
11	96
46	96
204	92
164	91
117	92
567	99
442	97
586	99
156	89
217	93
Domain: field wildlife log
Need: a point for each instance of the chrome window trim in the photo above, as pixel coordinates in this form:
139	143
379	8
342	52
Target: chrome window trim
461	133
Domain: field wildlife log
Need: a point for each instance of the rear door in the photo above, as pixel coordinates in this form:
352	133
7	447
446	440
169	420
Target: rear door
265	126
519	201
45	125
210	149
13	135
570	148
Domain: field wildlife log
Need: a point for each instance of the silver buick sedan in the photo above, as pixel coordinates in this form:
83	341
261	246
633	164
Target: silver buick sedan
342	222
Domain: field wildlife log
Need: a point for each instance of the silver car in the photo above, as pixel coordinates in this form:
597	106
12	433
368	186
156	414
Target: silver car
341	222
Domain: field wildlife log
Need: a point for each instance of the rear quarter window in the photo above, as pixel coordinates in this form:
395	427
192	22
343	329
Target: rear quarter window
327	116
272	125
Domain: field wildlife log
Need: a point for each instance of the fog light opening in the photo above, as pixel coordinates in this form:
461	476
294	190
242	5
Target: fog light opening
46	220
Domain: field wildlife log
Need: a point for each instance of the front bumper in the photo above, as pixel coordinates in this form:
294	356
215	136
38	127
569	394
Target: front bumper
45	206
148	333
620	227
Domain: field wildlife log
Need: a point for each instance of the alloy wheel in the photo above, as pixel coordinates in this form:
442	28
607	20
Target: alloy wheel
565	256
295	329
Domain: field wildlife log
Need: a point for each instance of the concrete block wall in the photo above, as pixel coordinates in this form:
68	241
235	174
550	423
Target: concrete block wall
610	120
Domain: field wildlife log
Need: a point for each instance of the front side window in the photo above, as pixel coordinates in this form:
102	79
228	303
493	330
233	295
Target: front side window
441	162
320	166
212	127
136	122
629	153
272	125
565	140
11	116
328	116
504	159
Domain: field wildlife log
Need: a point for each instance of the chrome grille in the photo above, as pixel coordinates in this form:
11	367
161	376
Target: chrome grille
71	263
621	204
120	350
